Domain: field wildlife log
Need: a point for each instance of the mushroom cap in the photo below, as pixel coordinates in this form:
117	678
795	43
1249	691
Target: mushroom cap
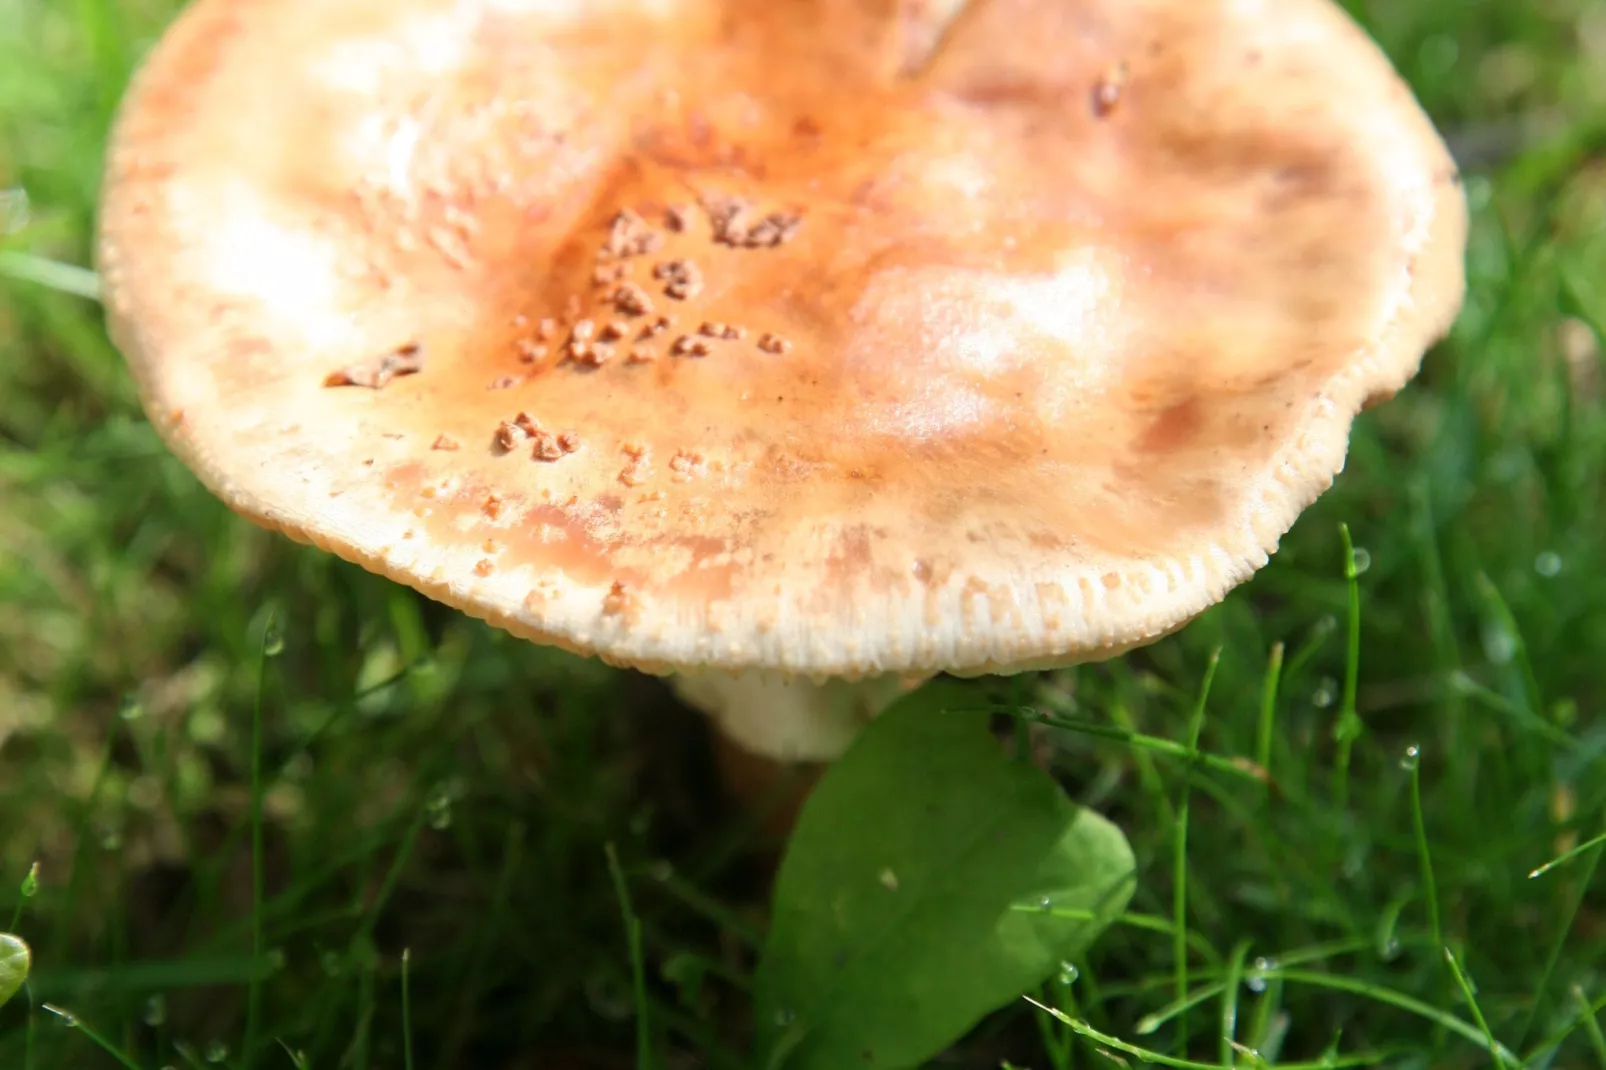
1005	334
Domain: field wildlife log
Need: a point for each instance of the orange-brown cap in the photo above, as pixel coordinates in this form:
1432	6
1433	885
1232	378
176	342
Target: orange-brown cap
826	336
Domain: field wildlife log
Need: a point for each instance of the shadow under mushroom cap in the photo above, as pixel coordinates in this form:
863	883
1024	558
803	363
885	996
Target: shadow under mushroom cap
979	354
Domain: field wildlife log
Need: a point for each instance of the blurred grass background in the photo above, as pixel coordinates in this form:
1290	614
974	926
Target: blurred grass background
432	785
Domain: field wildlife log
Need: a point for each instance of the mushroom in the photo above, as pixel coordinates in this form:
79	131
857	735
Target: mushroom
967	337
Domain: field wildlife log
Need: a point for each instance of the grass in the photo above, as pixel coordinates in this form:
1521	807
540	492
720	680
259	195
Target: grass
402	859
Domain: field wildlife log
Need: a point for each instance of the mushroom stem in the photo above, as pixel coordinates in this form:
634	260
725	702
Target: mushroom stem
789	718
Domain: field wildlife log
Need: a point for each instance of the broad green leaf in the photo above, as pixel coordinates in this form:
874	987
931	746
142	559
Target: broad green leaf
14	960
895	924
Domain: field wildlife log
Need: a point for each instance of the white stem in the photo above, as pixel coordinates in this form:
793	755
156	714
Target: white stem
789	718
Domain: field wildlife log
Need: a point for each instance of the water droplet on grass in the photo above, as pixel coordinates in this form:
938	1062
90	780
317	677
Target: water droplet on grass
1363	560
1069	973
1325	694
272	639
1256	978
1499	645
1411	758
155	1012
1046	905
1389	950
1548	564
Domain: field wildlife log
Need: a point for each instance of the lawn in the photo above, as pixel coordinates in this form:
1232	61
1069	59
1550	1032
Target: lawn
439	800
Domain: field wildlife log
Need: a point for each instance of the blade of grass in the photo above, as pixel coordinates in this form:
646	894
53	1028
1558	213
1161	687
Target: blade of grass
1179	858
1229	1003
1568	856
253	1004
1430	889
53	274
73	1022
407	1008
1082	1028
1586	1016
1268	708
1494	1046
1349	726
1395	999
1559	945
638	970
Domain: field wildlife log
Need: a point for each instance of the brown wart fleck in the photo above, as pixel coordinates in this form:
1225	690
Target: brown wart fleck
658	326
632	300
682	281
640	355
773	343
445	442
375	372
509	435
687	346
1107	91
637	470
686	465
530	352
547	447
619	601
677	217
629	235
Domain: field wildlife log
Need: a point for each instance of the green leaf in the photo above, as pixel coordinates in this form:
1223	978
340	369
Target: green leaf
895	924
14	959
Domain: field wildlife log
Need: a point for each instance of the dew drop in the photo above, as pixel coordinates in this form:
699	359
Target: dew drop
438	806
888	879
1548	564
1499	645
1389	949
1069	973
68	1018
1439	54
1363	560
1325	694
1256	979
272	639
1411	758
155	1012
1046	905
